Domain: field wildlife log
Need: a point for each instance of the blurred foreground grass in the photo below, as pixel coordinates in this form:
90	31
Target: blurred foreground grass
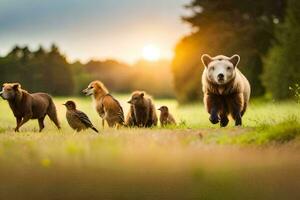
194	160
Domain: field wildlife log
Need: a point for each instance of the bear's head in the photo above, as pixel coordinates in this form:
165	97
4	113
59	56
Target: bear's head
220	69
10	90
137	98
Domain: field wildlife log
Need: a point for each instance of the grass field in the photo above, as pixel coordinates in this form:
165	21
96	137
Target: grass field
194	160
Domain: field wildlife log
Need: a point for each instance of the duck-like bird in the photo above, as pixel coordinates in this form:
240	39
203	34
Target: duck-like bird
77	120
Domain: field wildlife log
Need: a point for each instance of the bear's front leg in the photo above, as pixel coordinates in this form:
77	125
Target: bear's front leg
238	119
19	119
223	120
214	119
223	113
236	105
211	102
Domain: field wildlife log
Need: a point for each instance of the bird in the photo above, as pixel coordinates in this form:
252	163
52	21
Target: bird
77	120
166	117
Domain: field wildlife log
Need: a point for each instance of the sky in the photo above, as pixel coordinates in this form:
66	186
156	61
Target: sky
93	29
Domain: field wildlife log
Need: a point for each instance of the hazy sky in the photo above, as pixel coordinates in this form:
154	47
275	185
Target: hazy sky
85	29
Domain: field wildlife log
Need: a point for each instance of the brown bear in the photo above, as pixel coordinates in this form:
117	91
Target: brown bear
26	106
142	111
226	90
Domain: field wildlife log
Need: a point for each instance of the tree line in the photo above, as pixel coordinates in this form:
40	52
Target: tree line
49	71
264	33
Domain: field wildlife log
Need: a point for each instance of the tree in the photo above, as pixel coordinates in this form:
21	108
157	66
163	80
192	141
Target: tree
225	27
282	63
38	71
58	74
81	77
49	71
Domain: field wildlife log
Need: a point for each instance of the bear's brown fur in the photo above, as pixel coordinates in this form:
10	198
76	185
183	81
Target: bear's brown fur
142	111
106	105
26	106
231	98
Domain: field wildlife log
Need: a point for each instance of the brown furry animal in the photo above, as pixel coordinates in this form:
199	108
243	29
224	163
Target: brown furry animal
106	105
226	90
166	117
142	111
76	119
26	106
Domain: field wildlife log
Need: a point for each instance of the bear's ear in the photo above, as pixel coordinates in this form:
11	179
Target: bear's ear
16	86
142	94
206	59
235	59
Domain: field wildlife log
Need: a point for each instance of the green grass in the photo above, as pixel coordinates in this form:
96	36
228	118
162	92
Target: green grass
194	160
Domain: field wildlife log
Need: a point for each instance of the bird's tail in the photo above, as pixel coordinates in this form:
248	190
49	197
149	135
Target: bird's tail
95	129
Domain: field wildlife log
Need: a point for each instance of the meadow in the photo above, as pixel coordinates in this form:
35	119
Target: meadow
193	160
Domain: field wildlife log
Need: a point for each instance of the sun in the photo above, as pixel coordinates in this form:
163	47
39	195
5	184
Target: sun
151	52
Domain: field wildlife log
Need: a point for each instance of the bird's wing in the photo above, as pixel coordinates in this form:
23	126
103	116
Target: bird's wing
84	118
120	113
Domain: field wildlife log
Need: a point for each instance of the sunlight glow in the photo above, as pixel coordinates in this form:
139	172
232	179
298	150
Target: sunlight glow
151	53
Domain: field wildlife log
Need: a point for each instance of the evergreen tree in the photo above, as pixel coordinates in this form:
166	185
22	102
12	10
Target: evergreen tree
38	71
58	75
282	68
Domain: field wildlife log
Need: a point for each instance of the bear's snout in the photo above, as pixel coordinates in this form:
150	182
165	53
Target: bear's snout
220	77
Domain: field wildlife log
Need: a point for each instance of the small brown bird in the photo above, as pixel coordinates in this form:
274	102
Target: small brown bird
77	119
166	117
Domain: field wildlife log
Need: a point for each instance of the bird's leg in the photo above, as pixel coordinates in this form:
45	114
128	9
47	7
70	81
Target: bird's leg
75	132
118	126
103	123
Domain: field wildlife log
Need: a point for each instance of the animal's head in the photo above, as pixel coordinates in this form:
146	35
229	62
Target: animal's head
70	105
10	90
164	109
137	98
95	87
220	69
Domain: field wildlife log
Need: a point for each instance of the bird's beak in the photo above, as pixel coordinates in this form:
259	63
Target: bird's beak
64	104
130	102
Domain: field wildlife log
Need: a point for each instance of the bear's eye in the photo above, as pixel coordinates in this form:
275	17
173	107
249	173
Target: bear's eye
228	68
212	68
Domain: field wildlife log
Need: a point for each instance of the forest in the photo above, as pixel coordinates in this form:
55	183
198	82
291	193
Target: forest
49	71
